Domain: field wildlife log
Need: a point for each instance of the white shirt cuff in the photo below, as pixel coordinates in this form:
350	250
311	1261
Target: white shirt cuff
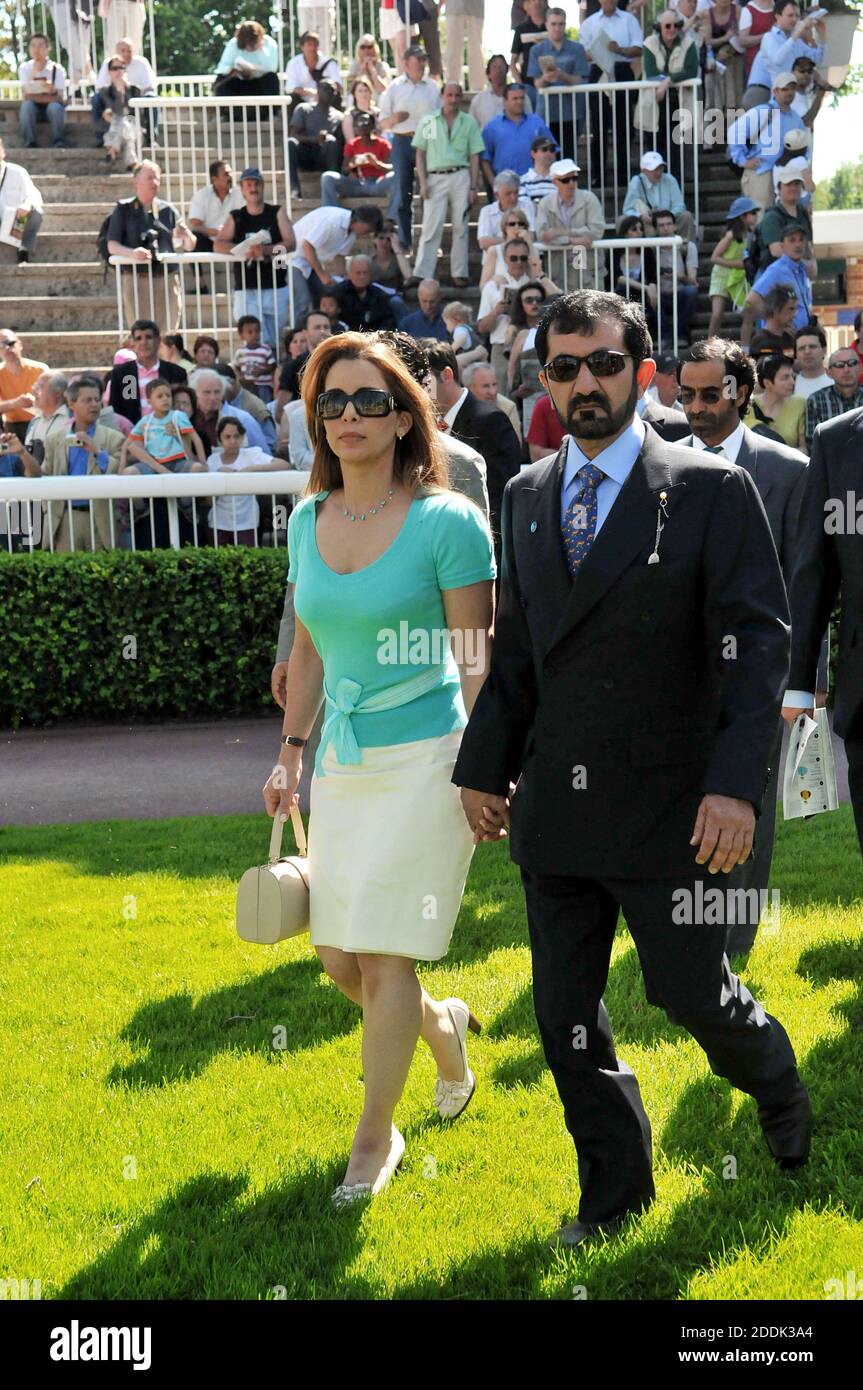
798	699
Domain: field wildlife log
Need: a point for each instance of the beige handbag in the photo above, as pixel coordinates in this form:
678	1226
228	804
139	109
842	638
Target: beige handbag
273	899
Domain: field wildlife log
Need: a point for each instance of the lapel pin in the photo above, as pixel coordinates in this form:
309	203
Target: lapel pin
661	511
533	526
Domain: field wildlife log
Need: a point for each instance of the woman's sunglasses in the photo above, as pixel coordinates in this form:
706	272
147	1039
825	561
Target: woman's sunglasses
602	362
366	402
529	299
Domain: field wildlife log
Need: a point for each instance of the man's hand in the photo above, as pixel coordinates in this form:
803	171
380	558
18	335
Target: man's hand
487	814
141	254
791	713
724	827
613	46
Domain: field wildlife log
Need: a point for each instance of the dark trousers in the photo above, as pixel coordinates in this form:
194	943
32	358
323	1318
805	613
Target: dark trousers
686	973
755	873
854	754
267	85
98	106
404	163
327	156
600	126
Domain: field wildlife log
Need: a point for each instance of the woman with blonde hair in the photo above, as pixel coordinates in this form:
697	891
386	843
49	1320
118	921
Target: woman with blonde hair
368	63
393	593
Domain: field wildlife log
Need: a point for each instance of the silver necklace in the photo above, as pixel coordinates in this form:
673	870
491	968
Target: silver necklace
373	511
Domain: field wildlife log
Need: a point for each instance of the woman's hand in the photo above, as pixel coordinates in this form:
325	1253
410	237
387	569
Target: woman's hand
280	791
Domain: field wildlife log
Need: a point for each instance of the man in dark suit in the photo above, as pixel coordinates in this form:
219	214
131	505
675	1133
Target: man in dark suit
715	386
128	379
477	423
830	563
640	754
669	424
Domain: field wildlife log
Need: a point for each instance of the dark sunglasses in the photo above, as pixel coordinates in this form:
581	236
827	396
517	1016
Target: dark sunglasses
547	149
850	362
602	362
518	260
567	178
367	401
531	299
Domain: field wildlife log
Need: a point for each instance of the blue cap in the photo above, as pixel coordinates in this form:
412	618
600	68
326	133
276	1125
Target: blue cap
252	174
740	206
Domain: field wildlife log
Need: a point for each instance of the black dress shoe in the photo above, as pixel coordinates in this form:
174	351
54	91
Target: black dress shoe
580	1231
788	1128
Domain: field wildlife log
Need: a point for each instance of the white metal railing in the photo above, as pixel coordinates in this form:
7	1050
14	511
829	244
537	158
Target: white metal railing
588	113
207	290
584	268
839	335
192	133
31	508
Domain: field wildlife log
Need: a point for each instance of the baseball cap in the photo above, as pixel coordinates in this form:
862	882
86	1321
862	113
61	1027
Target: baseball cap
540	142
8	338
740	206
416	50
651	159
797	140
667	362
791	229
252	173
789	175
561	168
785	79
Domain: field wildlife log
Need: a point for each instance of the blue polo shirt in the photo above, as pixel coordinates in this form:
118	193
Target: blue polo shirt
79	461
784	271
507	144
421	327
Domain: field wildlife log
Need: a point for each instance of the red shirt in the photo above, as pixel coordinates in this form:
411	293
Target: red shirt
545	428
377	167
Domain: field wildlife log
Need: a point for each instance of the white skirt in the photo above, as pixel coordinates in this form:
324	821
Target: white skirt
389	850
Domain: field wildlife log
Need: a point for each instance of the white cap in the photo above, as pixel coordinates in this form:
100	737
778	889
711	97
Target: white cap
785	79
652	159
797	140
561	167
789	174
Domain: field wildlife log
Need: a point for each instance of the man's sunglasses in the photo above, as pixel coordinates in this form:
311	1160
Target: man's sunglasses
518	260
567	178
602	362
367	401
850	362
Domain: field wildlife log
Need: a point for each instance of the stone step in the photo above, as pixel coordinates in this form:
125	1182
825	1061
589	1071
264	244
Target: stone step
74	217
75	278
60	313
57	188
94	345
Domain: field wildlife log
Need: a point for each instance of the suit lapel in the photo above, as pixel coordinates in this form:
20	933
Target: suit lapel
630	525
543	542
748	458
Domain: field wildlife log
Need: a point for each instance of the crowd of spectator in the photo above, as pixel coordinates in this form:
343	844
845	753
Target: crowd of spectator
490	168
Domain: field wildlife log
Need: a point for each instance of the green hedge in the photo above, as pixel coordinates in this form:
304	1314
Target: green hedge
204	623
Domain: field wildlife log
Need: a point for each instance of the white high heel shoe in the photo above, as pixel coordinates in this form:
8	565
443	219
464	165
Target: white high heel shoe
348	1193
452	1097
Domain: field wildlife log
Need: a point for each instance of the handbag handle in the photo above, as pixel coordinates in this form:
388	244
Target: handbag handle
276	835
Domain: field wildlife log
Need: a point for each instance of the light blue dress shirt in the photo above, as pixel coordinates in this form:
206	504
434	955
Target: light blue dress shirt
776	54
79	464
616	463
760	134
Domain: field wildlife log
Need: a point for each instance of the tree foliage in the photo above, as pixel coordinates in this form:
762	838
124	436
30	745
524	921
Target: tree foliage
844	189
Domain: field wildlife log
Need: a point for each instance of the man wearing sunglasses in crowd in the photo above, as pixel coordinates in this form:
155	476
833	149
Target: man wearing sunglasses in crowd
640	755
496	300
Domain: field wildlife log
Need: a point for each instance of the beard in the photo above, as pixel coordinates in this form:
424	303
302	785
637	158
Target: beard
603	421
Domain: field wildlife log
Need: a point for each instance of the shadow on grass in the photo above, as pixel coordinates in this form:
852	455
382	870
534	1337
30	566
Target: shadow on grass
207	1241
181	1038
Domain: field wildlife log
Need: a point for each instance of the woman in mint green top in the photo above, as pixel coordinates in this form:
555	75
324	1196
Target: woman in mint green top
393	592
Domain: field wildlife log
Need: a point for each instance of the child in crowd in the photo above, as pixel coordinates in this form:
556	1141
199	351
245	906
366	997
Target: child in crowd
728	276
329	305
234	520
465	339
160	443
254	361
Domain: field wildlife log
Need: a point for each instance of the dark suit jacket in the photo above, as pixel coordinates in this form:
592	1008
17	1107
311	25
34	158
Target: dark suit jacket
123	381
669	424
486	429
366	315
779	473
623	672
830	559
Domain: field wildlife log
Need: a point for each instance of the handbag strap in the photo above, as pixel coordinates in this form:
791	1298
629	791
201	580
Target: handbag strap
276	835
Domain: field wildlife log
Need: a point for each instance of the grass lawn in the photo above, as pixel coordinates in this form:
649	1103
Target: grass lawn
156	1145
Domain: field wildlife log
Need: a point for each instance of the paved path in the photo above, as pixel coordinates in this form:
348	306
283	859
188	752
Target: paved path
143	771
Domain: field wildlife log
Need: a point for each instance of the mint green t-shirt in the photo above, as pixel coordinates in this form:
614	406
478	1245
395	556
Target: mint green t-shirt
386	622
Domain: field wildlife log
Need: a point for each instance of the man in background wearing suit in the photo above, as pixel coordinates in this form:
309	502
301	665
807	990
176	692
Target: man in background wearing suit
671	425
127	380
640	755
830	563
715	386
482	426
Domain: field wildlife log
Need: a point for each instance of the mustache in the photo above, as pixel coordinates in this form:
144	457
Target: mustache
595	398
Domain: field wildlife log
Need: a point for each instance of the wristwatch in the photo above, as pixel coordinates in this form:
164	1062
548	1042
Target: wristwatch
293	741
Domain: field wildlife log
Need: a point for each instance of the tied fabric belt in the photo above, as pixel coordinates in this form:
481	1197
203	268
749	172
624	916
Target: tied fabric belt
348	699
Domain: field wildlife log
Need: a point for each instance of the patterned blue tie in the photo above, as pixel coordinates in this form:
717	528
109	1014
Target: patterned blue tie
579	522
